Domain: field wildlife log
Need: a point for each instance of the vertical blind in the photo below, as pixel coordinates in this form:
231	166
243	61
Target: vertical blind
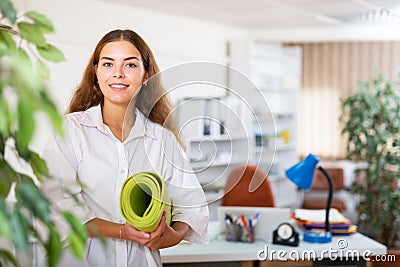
330	71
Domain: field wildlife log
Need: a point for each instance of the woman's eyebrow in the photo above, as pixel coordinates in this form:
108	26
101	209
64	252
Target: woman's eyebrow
128	58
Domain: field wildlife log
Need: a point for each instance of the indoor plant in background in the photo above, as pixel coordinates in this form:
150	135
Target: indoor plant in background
24	93
371	119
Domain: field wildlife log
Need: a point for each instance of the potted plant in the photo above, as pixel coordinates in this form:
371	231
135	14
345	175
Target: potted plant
23	94
371	127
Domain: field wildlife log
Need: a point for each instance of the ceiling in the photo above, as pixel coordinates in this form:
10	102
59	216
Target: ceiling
258	14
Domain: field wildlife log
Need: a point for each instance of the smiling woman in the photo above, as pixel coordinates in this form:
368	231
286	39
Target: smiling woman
120	74
117	126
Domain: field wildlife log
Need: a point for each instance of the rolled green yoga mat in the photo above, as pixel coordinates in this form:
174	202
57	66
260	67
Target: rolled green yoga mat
143	200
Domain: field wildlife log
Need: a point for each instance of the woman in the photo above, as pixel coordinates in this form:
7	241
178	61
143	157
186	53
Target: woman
118	124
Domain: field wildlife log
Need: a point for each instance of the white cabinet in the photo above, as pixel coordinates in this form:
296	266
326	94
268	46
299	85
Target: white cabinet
274	92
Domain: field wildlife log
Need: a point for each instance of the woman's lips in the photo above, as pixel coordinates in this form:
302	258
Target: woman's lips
118	86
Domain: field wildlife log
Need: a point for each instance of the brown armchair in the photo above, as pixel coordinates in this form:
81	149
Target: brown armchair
238	189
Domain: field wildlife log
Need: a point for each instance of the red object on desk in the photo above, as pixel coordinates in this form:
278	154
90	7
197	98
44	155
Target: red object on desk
243	220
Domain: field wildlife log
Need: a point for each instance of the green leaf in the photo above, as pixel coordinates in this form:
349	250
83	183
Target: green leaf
26	122
51	110
32	33
38	165
20	230
5	228
23	78
7	256
76	225
76	245
41	20
8	10
25	179
53	247
51	53
5	114
7	177
6	38
3	49
33	200
22	56
24	135
42	69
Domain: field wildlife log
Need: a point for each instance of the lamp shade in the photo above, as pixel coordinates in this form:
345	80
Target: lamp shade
302	173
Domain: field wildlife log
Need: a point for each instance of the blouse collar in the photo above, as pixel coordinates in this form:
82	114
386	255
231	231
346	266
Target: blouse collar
92	117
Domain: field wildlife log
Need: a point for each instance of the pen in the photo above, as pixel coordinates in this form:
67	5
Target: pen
243	221
255	218
229	218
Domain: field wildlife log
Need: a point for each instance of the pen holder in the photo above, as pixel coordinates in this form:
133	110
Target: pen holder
239	233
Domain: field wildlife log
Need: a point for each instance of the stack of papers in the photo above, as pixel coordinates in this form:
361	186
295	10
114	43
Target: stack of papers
314	220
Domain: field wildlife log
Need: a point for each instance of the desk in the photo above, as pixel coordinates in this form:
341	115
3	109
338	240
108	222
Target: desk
223	251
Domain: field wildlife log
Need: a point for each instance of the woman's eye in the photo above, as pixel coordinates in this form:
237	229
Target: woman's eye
107	64
131	65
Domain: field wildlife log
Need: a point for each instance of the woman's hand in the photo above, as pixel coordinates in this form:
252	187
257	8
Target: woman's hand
164	235
128	232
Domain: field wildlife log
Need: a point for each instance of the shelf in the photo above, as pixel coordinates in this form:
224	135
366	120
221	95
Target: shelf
283	116
281	147
276	116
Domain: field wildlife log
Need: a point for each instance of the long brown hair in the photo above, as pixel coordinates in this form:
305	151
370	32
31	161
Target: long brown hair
152	99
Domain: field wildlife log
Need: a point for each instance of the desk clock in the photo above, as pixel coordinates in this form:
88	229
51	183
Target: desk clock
285	234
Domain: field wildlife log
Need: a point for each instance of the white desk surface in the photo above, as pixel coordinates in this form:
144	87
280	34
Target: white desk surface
220	250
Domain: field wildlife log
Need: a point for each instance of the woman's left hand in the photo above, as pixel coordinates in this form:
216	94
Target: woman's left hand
165	235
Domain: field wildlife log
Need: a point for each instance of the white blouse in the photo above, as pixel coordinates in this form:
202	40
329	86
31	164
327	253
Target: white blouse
91	164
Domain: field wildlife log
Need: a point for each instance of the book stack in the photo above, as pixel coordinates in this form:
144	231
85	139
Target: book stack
314	220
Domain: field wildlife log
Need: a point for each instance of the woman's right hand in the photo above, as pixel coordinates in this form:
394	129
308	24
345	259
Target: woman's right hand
128	232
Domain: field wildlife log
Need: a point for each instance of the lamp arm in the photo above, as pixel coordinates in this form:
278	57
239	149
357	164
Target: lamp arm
330	196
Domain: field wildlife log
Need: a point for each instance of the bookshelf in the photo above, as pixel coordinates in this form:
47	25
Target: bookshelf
275	74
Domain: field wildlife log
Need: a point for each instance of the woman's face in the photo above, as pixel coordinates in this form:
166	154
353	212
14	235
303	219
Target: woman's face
120	72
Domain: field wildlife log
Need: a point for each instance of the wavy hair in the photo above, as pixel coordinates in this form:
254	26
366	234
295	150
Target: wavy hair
152	99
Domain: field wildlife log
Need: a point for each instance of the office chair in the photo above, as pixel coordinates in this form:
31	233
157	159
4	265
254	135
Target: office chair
315	198
237	191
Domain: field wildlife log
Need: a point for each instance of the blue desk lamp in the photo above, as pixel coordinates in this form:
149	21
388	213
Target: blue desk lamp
302	175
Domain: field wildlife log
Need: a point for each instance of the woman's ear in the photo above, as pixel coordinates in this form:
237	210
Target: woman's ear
145	78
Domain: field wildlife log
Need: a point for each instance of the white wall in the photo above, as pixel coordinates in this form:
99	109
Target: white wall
80	25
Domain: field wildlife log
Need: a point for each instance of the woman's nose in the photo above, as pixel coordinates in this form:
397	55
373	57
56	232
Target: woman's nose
118	72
